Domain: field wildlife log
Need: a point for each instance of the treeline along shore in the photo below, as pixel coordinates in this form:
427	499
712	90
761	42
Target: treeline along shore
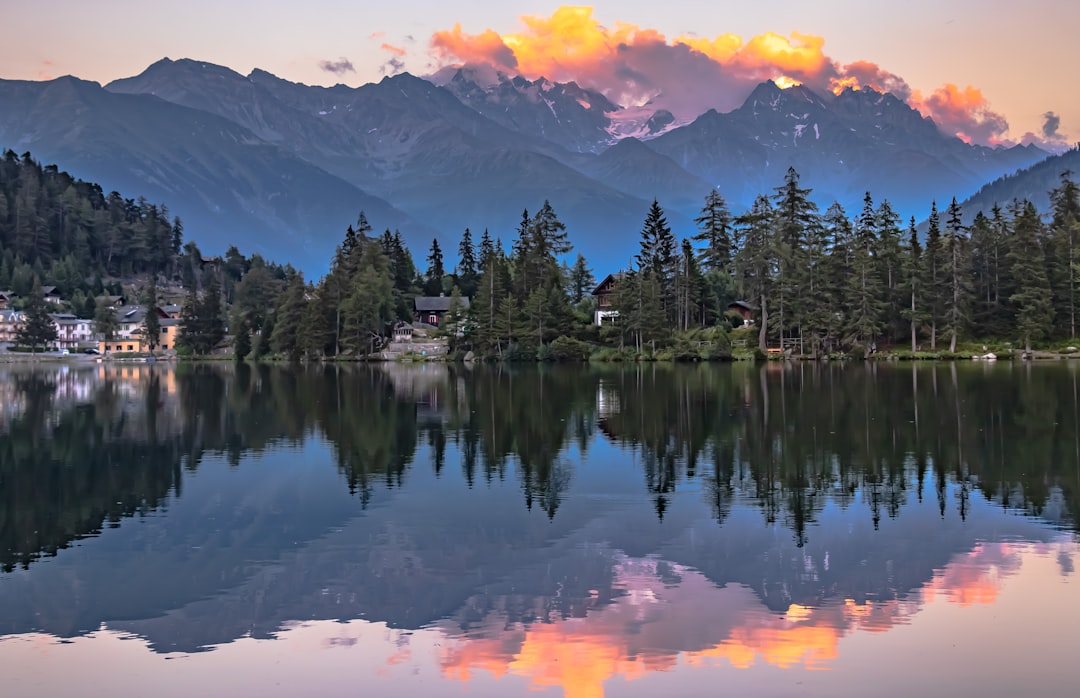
782	279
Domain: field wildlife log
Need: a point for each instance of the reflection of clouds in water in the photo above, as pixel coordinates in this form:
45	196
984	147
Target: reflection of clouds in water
976	577
659	623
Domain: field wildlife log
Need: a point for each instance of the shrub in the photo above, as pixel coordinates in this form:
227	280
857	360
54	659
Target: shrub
569	349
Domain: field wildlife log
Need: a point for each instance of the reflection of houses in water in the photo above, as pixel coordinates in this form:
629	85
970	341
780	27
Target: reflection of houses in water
608	405
138	393
426	385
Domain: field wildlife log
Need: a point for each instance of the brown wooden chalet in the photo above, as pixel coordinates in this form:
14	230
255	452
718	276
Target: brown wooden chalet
432	309
605	298
744	309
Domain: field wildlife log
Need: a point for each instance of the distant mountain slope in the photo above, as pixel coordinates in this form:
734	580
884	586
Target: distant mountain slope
842	146
410	142
286	166
563	113
227	185
1033	184
633	167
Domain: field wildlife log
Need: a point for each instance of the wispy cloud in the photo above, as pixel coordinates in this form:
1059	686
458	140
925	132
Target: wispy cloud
339	67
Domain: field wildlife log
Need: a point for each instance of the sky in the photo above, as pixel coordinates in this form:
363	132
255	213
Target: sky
992	71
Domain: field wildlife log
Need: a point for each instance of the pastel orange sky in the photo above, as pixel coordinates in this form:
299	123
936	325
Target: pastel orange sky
981	68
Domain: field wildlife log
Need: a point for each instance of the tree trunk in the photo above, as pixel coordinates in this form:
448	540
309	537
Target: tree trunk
762	345
912	321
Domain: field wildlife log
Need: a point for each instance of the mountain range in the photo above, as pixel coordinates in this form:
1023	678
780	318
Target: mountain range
282	168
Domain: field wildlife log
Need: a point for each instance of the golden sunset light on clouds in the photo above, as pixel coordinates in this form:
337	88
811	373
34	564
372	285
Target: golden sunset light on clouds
979	70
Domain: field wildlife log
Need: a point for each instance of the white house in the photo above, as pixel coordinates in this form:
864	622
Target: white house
72	331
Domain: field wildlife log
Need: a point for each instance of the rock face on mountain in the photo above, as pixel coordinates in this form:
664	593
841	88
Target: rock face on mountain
280	166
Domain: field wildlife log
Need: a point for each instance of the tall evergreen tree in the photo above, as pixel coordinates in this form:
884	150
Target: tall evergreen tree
935	275
1065	233
288	319
912	283
867	293
151	321
657	255
755	261
795	216
958	275
37	328
467	266
1032	298
581	279
433	278
714	230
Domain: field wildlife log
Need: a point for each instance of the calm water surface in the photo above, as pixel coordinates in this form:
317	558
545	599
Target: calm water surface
629	531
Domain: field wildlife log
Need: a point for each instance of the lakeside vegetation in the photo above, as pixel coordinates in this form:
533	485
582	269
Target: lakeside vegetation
819	284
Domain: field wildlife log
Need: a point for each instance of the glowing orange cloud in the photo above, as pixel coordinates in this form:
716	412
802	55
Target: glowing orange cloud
396	50
689	74
964	112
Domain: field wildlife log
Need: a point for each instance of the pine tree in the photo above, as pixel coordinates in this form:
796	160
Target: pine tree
467	269
152	321
433	278
657	255
105	322
211	316
288	318
581	279
912	283
795	216
487	251
1034	310
958	276
755	260
714	230
867	291
934	275
242	343
37	328
1065	231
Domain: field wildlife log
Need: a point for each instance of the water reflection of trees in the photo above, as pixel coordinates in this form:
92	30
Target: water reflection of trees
86	448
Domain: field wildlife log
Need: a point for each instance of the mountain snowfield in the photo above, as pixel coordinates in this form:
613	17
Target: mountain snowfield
282	168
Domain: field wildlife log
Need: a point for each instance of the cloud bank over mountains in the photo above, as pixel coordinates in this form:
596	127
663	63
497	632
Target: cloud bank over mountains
688	74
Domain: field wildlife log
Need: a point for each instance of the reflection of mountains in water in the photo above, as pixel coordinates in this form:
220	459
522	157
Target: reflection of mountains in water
832	484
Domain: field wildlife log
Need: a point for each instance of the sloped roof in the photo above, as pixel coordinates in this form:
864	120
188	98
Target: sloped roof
437	303
608	280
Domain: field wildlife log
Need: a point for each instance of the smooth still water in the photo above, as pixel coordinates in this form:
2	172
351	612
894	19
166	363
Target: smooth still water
792	529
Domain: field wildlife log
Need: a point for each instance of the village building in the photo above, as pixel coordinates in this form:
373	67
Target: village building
431	310
9	324
605	300
744	309
135	342
6	297
72	332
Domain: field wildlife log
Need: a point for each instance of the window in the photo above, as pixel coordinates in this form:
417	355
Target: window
433	319
164	347
131	347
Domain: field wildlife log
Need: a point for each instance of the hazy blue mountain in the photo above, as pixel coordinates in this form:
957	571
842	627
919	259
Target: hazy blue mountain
411	142
229	186
1033	183
239	156
842	146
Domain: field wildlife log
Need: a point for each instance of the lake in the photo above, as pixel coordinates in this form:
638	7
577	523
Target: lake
429	530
